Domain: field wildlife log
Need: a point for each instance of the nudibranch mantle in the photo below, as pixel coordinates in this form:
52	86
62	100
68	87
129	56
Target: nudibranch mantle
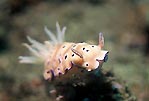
59	56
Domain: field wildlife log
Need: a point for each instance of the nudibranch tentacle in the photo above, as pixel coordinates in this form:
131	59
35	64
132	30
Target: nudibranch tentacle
59	56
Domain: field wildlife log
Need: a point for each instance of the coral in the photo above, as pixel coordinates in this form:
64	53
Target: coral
80	85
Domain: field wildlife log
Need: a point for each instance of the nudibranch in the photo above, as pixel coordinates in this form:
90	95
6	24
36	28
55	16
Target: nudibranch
59	56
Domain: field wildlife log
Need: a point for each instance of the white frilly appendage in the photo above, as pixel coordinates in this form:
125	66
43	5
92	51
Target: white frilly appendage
60	34
39	51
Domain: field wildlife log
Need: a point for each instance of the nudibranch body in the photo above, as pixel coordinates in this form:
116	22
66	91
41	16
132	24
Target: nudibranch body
59	56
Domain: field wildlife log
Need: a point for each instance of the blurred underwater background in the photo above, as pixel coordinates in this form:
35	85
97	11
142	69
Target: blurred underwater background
124	24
